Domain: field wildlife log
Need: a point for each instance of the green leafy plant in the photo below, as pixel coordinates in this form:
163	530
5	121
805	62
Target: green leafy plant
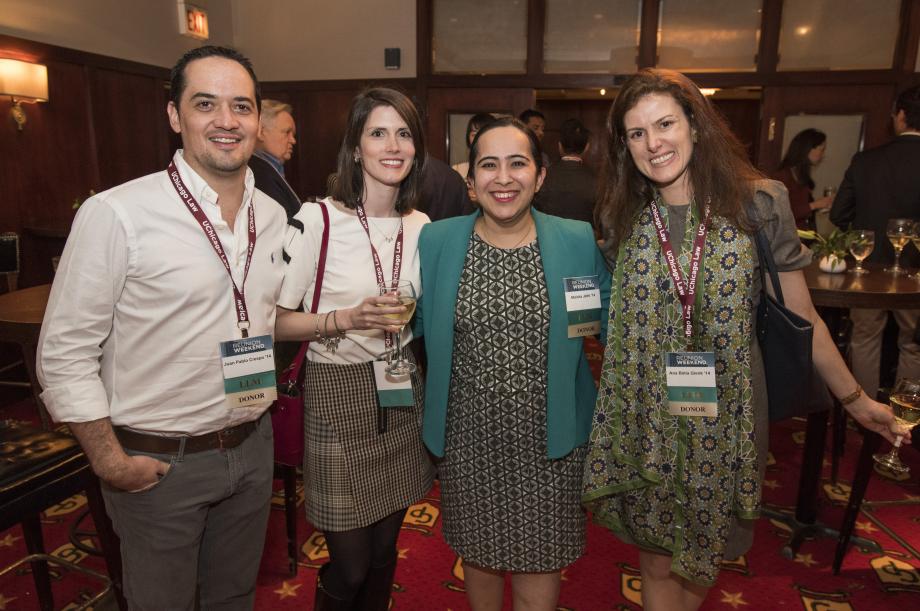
837	243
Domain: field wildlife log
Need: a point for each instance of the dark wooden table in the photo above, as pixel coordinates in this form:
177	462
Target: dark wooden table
834	293
21	314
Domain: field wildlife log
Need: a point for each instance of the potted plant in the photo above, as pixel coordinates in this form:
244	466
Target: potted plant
830	250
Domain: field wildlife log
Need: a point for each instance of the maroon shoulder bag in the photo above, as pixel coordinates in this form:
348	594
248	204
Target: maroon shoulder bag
287	413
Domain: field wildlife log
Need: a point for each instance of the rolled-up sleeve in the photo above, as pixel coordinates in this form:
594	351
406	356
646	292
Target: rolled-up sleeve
78	319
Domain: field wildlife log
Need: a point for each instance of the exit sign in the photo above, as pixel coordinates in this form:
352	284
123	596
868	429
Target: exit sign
193	21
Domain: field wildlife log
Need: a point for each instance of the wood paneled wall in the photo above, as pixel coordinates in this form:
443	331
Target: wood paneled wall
105	122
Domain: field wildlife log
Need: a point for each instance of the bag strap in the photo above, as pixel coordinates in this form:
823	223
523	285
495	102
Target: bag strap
766	261
297	363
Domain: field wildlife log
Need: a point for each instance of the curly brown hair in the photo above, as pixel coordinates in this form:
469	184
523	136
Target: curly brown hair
718	168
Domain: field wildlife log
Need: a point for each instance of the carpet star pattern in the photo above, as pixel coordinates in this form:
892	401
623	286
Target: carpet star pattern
288	590
4	601
733	598
806	559
8	540
866	527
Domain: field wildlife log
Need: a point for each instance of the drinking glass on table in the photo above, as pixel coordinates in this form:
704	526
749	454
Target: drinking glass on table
905	403
899	232
915	238
405	292
861	246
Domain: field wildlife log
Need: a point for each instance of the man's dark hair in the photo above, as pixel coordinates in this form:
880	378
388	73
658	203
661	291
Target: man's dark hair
909	102
177	76
530	112
574	137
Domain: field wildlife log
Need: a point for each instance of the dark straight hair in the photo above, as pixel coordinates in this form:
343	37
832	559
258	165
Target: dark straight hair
177	81
349	184
796	156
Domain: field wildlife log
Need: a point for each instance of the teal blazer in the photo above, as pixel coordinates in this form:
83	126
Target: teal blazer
567	249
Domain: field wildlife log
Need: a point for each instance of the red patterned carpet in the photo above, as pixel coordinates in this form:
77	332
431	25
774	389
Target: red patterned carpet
430	577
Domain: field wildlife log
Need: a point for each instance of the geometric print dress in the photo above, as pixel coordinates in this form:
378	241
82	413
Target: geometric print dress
506	505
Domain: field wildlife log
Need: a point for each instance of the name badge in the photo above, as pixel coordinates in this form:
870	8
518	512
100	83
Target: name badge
249	371
392	391
583	305
691	378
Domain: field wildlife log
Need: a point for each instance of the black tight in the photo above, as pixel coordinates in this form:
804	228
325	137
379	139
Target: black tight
352	553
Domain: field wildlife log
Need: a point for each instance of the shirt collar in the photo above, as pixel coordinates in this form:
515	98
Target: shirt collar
276	163
200	188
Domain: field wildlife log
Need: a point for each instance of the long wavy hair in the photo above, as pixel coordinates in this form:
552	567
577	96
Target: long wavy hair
719	170
348	186
796	157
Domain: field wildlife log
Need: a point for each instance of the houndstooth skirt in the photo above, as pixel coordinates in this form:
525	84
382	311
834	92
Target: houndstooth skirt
353	475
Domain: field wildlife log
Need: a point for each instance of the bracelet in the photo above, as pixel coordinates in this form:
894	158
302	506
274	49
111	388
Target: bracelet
335	321
852	396
316	334
329	343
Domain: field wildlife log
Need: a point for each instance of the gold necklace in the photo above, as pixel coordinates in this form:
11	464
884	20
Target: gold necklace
491	242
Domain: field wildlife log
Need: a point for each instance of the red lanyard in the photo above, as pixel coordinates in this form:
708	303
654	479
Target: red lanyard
686	291
242	314
378	267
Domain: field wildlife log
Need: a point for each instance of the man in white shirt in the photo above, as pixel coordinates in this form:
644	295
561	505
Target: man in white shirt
160	277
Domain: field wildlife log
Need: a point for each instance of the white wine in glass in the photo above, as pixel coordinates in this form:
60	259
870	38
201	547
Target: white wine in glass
899	232
405	292
905	403
861	247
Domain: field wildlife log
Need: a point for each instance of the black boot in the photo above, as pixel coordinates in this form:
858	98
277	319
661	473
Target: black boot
324	601
374	594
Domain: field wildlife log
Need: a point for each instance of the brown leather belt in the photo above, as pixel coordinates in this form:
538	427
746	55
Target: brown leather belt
157	444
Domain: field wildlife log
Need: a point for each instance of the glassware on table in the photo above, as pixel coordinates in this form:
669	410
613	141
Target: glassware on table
861	246
405	292
905	403
915	238
899	232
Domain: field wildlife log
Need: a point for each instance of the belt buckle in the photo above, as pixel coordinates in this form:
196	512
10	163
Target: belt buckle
222	435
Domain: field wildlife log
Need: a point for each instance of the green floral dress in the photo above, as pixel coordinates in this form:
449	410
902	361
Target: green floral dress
680	485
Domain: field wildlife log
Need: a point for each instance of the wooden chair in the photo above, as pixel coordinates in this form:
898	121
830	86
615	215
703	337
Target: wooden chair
38	469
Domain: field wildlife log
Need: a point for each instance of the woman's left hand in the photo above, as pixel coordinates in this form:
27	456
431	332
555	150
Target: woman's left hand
878	418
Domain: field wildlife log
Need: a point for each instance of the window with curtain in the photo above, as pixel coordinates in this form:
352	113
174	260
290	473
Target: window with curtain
838	34
591	36
479	36
709	35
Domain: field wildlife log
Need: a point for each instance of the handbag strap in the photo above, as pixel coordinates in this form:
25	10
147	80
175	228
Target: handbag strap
297	363
766	261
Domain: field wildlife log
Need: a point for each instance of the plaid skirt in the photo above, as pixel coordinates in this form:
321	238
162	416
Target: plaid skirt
353	475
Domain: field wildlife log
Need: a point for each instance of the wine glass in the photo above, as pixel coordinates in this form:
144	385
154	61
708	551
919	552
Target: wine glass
905	403
898	232
861	246
405	292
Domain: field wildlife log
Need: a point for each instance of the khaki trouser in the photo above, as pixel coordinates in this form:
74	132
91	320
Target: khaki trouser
866	345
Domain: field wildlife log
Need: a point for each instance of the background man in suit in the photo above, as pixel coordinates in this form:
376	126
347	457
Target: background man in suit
274	147
881	184
569	189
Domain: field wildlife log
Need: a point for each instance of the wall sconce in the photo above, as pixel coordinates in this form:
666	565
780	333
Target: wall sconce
23	82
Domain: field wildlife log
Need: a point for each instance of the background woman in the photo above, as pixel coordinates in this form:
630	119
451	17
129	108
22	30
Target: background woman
509	395
358	481
686	489
806	150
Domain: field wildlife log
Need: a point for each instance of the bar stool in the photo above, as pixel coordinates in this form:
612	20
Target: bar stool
40	468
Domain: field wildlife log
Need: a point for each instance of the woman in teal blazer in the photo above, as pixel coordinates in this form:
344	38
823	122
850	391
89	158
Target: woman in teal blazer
509	396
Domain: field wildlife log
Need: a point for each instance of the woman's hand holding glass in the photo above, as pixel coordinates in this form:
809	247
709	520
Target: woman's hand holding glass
374	312
905	406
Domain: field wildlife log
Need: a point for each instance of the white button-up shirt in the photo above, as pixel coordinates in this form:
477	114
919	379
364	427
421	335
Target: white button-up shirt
141	302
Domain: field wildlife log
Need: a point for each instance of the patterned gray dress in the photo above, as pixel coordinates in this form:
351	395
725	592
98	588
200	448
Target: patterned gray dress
506	505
